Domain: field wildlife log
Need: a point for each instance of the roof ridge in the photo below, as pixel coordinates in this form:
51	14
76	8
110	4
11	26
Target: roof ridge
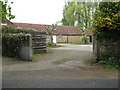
41	24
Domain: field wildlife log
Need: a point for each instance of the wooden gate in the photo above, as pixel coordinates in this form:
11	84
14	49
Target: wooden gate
39	42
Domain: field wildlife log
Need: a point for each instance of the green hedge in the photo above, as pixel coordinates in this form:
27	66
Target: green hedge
106	34
12	38
85	38
8	29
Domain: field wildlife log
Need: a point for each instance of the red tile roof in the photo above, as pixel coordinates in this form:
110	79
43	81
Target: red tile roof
64	30
89	33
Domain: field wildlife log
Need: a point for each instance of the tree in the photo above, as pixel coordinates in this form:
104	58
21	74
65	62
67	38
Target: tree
6	11
69	17
51	30
64	20
85	39
108	16
79	14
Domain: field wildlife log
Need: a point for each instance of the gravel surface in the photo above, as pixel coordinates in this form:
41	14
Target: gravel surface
70	66
73	61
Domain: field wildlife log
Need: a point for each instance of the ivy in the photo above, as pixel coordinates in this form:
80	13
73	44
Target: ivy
12	39
8	29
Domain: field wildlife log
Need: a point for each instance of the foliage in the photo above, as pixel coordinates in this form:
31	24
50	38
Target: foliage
85	38
68	13
79	14
108	35
8	29
112	62
51	30
11	44
6	10
107	17
50	44
12	38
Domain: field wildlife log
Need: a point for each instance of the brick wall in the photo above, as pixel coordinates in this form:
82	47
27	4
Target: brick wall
72	39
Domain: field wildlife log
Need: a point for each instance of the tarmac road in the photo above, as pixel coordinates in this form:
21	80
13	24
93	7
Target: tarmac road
53	82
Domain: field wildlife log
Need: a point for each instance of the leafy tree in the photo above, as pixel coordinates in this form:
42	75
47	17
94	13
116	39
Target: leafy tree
85	39
79	14
6	10
69	14
64	20
108	16
51	30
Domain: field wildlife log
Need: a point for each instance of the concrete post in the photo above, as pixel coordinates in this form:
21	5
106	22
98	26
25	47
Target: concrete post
25	52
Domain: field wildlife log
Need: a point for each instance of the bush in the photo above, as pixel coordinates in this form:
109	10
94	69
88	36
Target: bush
85	39
51	44
111	62
12	38
8	29
11	44
107	17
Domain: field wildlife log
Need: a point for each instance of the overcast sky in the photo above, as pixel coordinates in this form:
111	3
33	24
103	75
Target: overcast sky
37	11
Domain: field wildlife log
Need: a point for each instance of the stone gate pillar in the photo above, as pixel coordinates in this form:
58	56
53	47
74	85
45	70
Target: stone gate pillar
25	52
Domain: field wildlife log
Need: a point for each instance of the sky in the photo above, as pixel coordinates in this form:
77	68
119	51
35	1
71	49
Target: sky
37	11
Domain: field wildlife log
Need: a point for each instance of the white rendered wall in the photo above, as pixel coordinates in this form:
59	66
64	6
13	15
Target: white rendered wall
54	39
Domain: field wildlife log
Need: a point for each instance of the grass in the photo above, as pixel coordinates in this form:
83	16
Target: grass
36	57
109	66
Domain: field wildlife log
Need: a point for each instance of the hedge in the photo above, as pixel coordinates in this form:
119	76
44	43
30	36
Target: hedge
12	38
8	29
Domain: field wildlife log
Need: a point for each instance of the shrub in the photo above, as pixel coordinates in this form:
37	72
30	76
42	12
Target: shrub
8	29
85	39
12	38
11	43
107	17
112	62
51	44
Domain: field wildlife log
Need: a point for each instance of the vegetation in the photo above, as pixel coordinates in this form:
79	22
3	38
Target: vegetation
12	38
79	14
51	30
5	10
11	44
8	29
50	44
110	62
107	25
85	39
107	17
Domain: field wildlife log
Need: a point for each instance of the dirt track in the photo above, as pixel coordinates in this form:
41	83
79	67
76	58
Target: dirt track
71	61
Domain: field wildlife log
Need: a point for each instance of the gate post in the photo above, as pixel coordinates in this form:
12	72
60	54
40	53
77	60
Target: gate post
25	52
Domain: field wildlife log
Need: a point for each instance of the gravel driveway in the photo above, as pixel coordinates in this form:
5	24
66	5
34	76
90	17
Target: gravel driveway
69	61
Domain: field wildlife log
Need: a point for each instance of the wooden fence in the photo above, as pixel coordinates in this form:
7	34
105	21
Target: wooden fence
39	42
34	44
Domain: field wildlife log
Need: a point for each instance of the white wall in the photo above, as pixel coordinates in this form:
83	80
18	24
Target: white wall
54	39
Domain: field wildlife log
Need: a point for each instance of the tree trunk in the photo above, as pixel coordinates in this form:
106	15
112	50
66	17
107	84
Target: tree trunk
51	38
